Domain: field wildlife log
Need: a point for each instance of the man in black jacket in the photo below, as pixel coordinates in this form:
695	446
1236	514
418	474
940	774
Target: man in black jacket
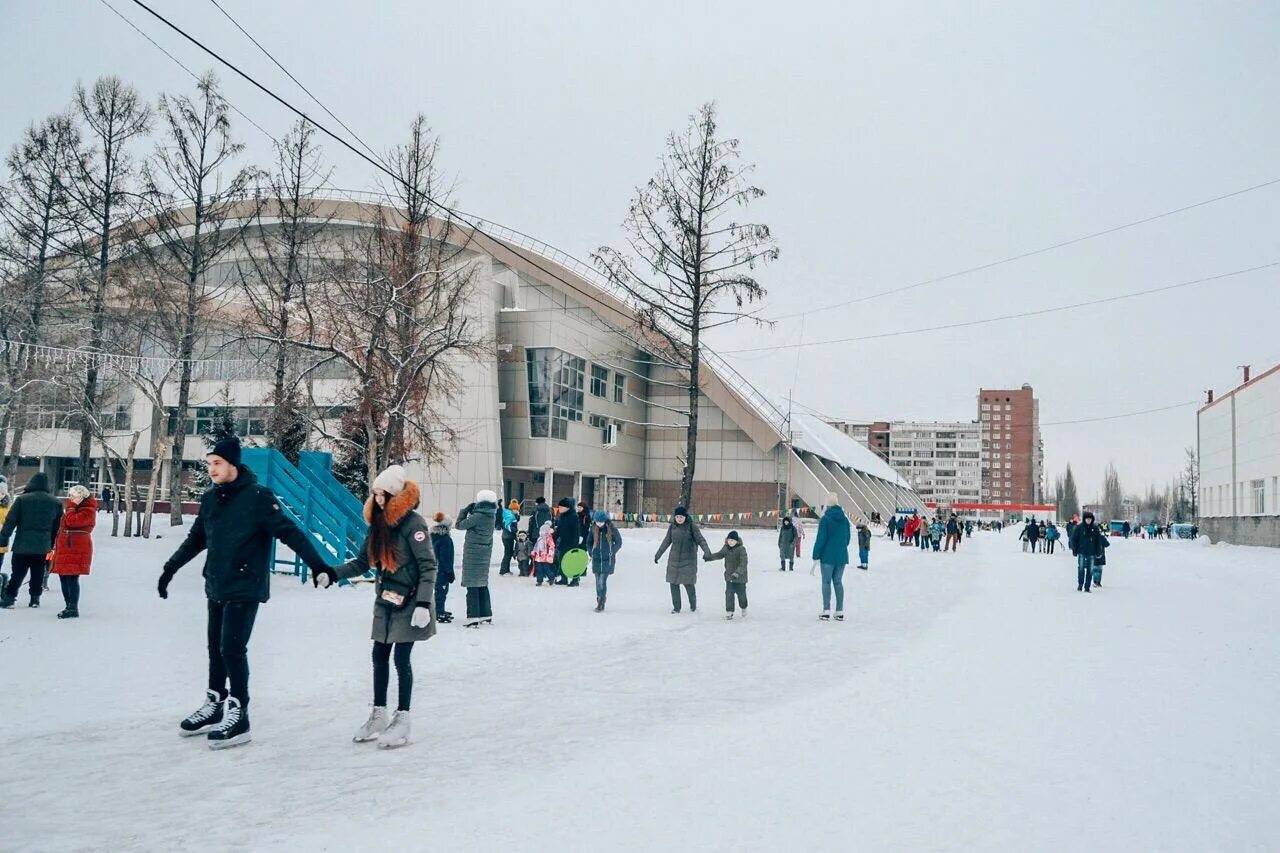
541	513
237	521
1088	544
568	535
34	518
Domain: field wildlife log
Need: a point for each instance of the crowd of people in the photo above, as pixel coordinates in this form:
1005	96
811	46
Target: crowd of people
411	563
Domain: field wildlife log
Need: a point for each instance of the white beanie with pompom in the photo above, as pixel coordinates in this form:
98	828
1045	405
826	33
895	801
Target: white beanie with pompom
486	496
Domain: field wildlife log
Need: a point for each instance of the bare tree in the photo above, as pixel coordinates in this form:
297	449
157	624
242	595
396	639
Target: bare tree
1112	495
393	308
30	206
689	268
288	234
102	197
193	226
1191	481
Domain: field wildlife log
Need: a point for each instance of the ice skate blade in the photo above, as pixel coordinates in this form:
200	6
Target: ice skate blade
238	740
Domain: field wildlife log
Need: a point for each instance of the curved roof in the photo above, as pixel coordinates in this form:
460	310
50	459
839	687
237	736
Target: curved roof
813	434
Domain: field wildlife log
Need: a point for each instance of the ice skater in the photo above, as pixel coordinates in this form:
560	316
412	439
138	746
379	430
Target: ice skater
442	542
603	541
32	522
787	539
831	554
73	551
734	554
238	518
398	548
684	539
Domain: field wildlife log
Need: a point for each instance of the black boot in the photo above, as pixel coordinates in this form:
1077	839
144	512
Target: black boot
599	604
35	602
6	602
234	728
69	613
575	582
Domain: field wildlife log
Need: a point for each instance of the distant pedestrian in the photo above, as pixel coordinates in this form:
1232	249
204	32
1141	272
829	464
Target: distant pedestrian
864	546
32	521
734	554
477	519
831	554
953	534
1051	535
544	555
73	551
1088	545
442	542
523	554
936	531
684	540
568	533
541	512
787	544
603	541
510	521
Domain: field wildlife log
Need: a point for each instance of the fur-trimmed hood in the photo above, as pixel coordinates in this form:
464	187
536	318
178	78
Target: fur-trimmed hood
398	507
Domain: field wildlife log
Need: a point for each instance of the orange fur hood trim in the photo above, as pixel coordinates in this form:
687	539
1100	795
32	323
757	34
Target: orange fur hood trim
398	507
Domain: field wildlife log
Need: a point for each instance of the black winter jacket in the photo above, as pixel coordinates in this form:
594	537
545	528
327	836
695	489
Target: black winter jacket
568	532
1088	540
237	522
35	516
541	513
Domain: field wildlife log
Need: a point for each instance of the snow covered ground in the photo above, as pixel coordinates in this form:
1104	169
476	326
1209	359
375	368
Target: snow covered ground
973	701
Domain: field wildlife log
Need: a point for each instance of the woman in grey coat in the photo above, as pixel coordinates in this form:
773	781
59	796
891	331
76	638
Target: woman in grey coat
787	543
478	520
685	540
398	548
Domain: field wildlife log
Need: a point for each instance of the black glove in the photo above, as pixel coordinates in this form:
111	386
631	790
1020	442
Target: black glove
326	572
162	586
656	558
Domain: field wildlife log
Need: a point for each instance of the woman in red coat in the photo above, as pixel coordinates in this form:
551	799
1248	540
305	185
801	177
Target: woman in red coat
73	549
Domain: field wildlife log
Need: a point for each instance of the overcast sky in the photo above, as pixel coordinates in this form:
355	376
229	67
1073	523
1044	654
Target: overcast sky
895	144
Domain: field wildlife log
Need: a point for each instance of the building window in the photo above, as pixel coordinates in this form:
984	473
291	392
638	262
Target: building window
555	392
619	388
1259	496
599	381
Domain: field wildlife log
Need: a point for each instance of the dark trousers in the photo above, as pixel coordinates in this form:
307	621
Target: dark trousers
70	590
382	673
1086	567
22	565
230	624
690	590
442	593
734	589
1048	545
523	570
478	604
508	549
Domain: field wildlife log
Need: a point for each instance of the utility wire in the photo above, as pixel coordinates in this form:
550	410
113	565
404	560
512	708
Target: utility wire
276	62
178	62
1103	301
475	228
1032	253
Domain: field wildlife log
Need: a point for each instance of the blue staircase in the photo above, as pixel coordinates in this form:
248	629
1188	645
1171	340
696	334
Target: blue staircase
314	500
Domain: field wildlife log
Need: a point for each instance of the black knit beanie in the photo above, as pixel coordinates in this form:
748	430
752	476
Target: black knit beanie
229	449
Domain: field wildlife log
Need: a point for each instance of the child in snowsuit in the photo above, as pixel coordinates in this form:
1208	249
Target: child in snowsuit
935	534
734	554
522	550
544	555
864	545
442	542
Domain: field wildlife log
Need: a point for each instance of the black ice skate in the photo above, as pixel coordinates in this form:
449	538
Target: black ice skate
203	718
234	729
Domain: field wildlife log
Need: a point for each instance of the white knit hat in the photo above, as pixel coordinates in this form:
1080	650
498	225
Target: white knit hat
833	499
390	481
77	493
486	495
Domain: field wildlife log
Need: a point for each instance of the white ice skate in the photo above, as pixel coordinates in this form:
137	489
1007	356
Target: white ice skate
374	726
729	617
397	734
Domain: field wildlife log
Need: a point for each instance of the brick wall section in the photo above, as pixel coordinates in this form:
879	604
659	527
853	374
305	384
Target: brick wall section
1021	428
662	496
1246	530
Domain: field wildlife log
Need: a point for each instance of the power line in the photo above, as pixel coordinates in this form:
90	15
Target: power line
178	62
1032	253
1004	317
267	53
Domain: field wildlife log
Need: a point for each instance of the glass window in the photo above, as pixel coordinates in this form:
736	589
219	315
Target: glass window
619	388
599	381
555	392
1259	496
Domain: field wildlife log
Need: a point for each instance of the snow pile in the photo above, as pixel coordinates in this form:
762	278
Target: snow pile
973	701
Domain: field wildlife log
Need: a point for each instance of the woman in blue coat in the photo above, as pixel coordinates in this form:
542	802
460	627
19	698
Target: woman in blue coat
831	552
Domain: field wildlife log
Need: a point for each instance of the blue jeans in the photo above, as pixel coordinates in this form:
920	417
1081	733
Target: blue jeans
602	586
1086	570
832	576
863	555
